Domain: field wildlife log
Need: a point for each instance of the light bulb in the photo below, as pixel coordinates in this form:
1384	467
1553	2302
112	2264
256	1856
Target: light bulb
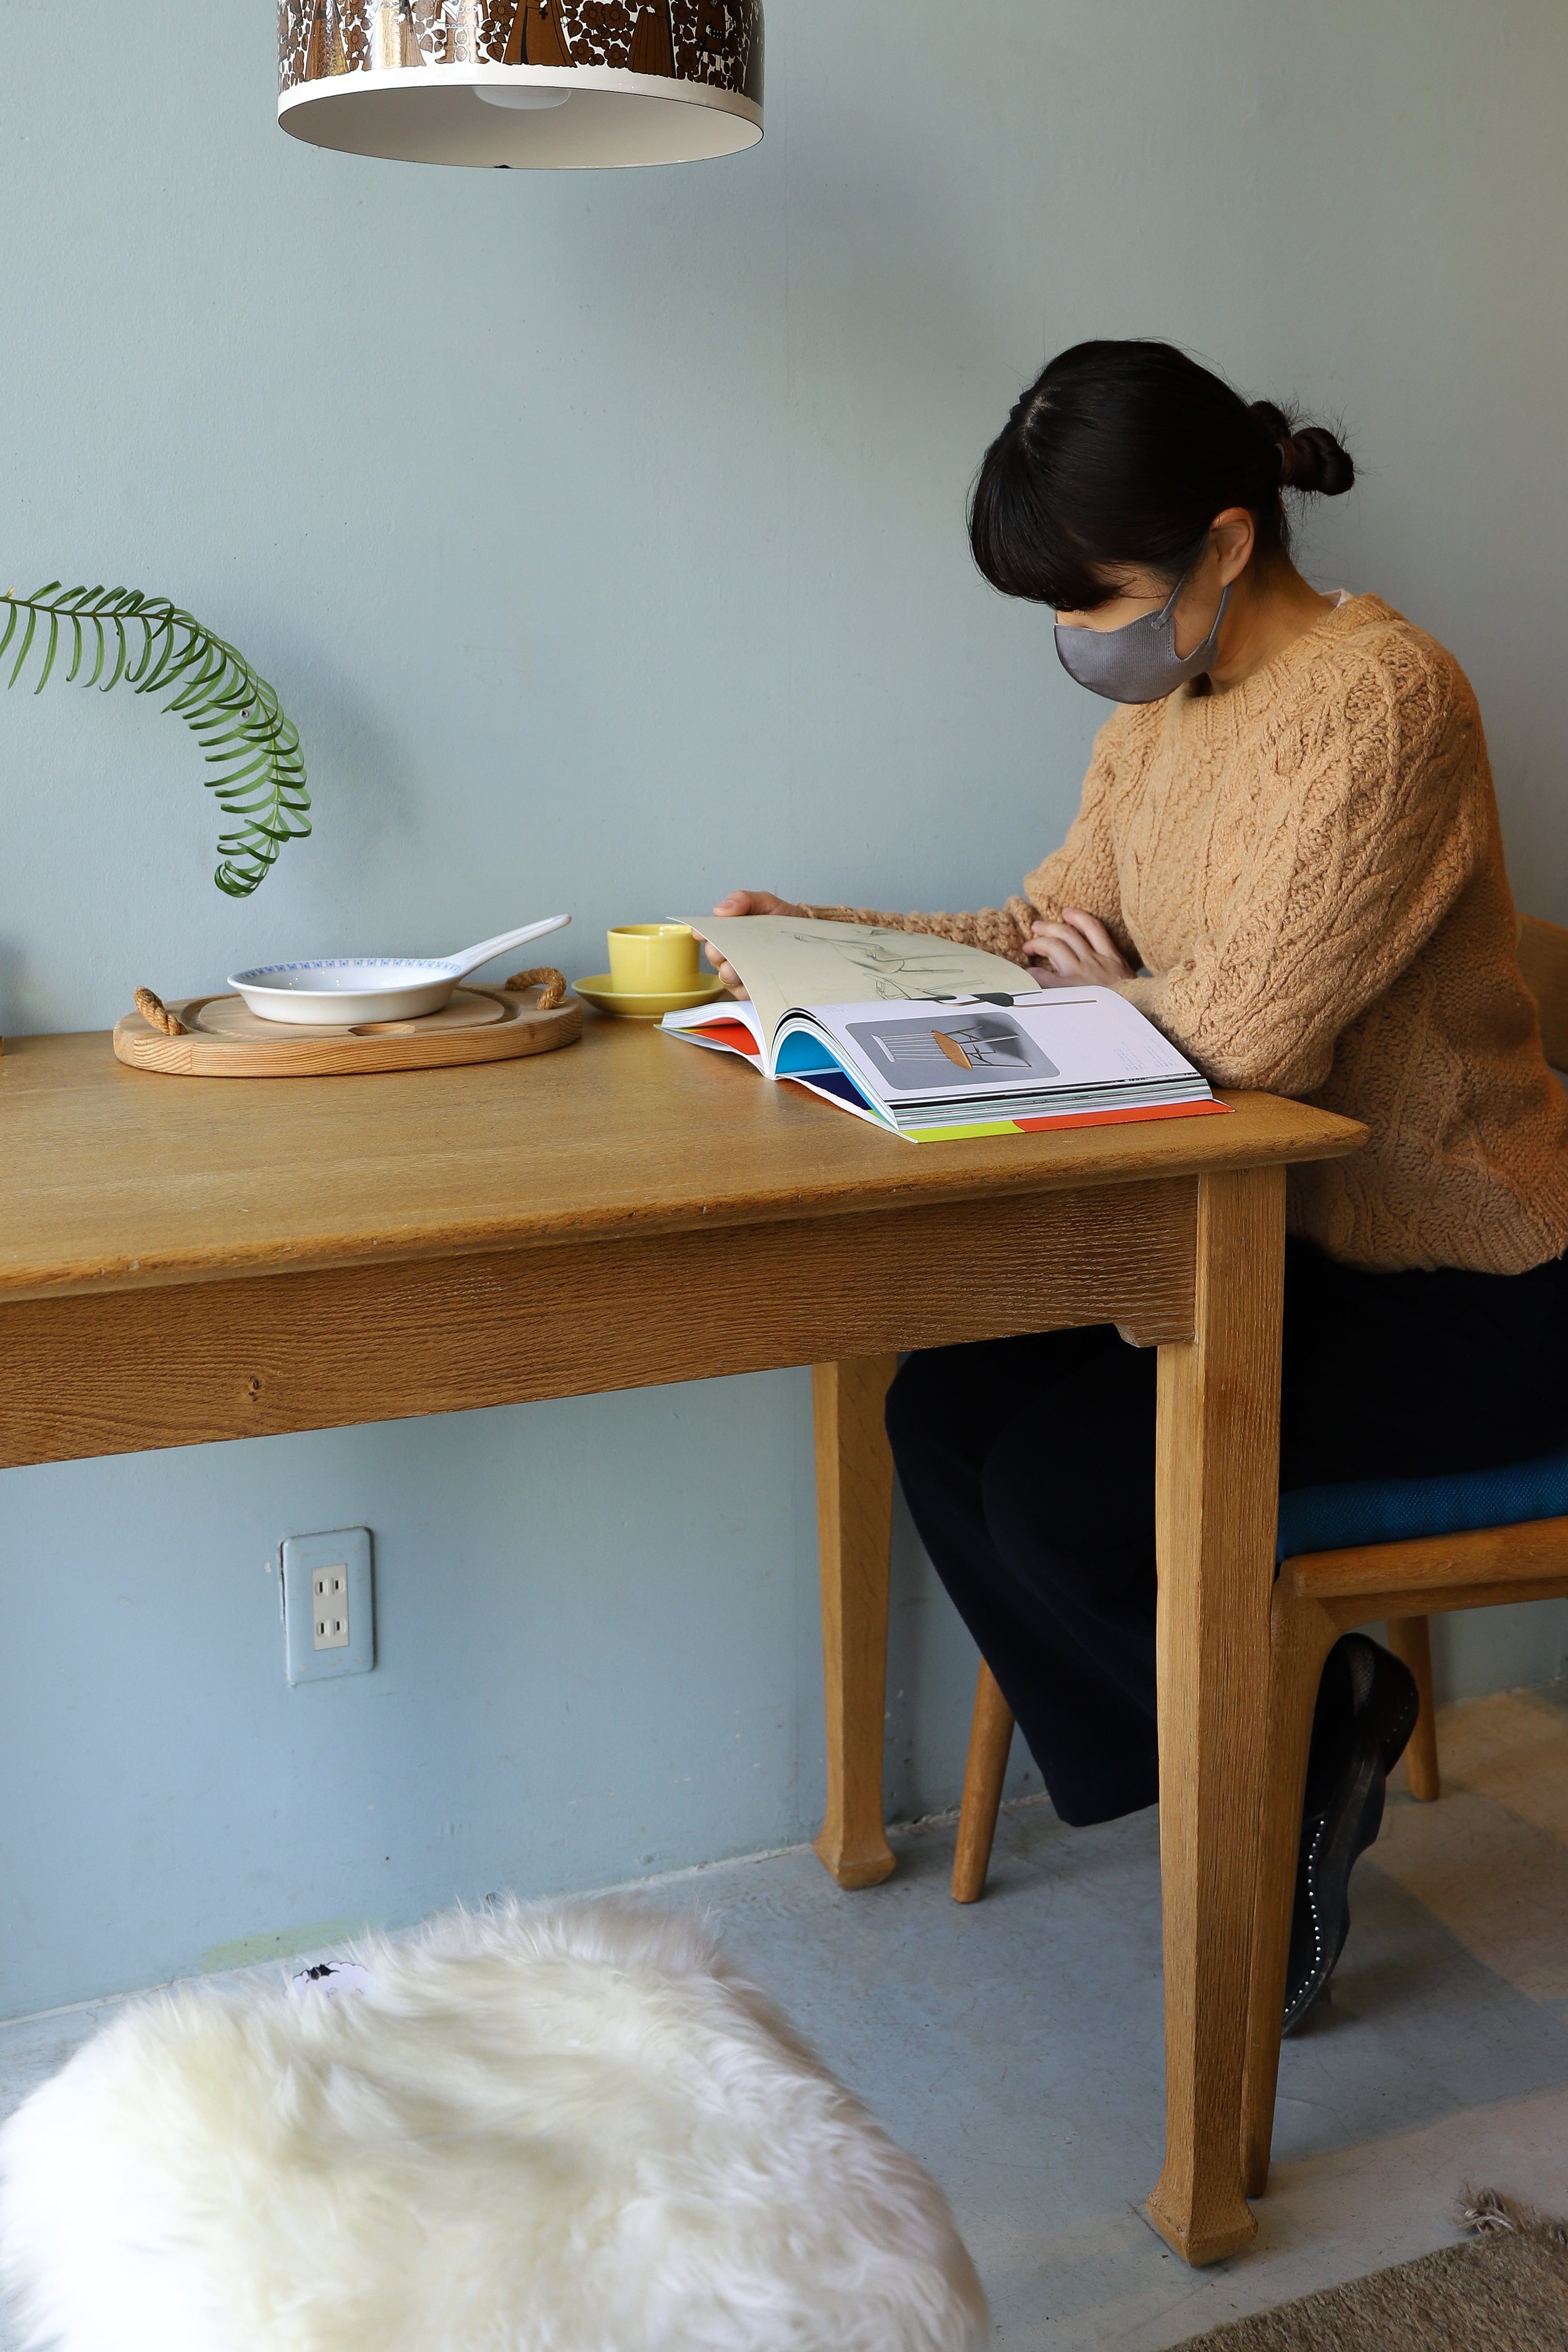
530	100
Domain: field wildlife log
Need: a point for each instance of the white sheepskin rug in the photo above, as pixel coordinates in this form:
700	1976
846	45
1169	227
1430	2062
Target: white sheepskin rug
563	2129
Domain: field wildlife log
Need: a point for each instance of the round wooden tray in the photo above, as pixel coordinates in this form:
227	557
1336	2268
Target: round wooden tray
224	1040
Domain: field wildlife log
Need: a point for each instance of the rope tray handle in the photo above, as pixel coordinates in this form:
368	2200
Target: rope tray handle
545	975
156	1013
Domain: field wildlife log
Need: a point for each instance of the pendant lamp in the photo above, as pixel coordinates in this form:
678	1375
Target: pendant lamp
551	83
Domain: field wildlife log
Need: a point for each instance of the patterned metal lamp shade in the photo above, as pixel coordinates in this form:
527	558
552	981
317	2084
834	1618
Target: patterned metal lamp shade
556	83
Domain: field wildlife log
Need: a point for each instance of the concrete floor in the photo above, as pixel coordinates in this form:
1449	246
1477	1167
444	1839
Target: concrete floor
1015	2047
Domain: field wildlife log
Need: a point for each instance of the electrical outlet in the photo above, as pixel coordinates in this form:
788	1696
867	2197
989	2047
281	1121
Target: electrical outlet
329	1608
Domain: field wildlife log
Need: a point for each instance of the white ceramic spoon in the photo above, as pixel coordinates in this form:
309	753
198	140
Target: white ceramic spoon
332	991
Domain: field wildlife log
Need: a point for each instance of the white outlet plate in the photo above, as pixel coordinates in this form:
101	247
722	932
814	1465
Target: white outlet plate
328	1605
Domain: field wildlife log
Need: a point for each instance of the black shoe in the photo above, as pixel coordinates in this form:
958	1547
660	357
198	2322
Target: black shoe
1387	1703
1386	1699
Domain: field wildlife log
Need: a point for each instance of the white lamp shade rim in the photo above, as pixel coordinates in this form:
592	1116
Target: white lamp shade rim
613	118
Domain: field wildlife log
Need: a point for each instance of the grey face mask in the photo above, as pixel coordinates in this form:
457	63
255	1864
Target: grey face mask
1138	663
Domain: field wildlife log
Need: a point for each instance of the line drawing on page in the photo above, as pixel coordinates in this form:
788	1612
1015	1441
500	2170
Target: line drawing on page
890	959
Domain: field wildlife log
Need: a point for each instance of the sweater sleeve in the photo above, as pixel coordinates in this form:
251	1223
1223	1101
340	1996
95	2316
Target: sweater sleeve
1374	827
1081	873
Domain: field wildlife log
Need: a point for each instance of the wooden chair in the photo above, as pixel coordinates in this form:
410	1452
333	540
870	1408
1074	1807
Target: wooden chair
1318	1595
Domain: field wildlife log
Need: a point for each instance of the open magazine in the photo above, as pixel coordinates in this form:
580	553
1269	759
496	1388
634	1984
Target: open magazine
933	1039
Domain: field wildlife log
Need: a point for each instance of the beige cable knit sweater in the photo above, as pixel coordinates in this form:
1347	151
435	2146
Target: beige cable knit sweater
1309	867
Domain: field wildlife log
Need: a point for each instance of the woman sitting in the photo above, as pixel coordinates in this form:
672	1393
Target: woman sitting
1288	857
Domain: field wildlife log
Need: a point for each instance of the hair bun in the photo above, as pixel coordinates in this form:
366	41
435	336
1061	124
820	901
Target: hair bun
1316	461
1310	458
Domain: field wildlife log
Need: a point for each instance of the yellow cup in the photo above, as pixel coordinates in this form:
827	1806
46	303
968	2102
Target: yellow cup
652	959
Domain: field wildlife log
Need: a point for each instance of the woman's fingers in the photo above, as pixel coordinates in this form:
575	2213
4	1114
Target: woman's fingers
726	970
1092	930
745	902
1055	944
1078	948
755	902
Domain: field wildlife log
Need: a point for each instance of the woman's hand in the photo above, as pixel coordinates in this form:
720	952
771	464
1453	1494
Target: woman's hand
1076	952
746	902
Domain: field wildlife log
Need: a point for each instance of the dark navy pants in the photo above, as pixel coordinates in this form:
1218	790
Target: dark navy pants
1029	1467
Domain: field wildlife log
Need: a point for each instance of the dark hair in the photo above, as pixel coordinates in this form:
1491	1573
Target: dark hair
1119	457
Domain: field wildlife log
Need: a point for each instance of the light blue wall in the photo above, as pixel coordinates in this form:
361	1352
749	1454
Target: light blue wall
604	536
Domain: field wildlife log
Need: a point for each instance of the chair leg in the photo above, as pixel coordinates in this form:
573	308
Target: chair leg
1300	1637
990	1737
1409	1640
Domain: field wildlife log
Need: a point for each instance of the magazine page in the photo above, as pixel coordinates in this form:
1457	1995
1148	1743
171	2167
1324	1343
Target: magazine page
1039	1044
729	1014
789	961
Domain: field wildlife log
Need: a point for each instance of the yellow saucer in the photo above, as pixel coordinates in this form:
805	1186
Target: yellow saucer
605	997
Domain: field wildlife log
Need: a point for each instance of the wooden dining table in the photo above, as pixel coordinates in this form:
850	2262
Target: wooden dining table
185	1260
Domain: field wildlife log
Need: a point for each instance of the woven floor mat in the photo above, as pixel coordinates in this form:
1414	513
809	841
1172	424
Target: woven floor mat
1506	2290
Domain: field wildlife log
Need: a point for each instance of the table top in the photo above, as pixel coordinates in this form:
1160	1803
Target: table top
114	1178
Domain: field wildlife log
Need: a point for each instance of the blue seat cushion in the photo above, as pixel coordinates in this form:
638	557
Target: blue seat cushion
1393	1510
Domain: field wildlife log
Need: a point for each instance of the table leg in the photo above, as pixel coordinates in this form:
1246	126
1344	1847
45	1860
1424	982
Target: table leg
854	1524
1217	1499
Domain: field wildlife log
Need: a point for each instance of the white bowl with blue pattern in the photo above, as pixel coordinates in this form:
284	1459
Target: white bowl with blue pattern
337	991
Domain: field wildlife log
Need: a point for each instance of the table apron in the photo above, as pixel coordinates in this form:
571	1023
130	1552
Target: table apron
119	1371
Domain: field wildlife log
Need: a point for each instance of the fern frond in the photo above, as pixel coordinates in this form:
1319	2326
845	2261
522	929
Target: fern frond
250	745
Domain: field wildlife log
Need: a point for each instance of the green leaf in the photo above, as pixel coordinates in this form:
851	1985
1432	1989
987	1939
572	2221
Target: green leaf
27	645
235	715
50	656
